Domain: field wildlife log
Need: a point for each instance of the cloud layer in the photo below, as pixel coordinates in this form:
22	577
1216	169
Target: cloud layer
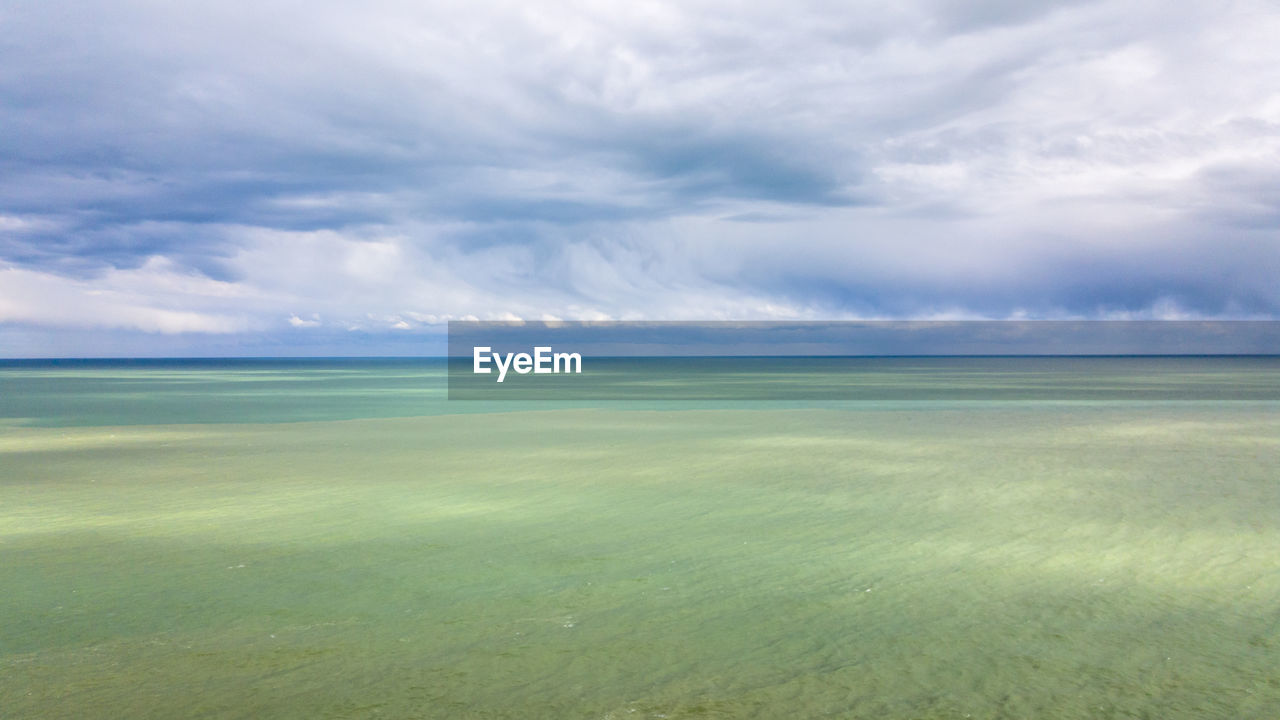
273	168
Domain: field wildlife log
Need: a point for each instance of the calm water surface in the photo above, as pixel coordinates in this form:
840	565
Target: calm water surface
334	539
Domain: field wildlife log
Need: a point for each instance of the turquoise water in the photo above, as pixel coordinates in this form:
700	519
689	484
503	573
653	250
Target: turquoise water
335	539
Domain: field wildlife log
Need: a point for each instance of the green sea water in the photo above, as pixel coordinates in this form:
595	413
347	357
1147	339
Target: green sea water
335	539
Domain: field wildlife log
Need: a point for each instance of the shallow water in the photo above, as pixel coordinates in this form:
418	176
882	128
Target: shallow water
989	560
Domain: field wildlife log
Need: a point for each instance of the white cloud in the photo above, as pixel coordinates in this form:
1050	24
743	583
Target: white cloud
120	299
298	322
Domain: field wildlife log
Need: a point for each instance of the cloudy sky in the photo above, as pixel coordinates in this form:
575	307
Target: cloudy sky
339	178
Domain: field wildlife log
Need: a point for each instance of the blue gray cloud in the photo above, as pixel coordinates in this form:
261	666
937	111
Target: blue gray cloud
251	175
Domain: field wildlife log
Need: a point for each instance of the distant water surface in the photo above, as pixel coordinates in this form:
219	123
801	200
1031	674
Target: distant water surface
165	391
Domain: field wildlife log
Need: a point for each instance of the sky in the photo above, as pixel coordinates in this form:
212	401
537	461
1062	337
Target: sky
336	178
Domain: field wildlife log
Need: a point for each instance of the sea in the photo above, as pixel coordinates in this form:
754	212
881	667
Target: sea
910	537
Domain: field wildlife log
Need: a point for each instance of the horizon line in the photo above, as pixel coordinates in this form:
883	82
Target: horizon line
123	358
